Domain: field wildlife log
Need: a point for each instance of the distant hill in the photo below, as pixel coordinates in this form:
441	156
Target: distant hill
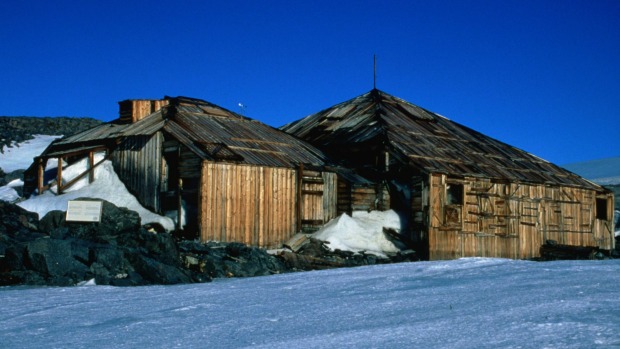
605	172
602	171
21	128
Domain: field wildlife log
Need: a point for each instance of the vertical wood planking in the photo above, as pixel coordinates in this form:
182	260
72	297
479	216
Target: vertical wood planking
250	204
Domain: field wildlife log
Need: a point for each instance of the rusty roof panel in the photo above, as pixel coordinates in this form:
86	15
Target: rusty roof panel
212	132
431	142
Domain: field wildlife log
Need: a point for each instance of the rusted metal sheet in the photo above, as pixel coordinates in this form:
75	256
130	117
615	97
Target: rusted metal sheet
137	161
430	142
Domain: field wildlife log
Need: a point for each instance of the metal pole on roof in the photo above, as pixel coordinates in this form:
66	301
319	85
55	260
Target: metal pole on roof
374	76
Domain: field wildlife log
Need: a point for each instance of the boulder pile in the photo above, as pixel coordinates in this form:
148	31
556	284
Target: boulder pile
119	251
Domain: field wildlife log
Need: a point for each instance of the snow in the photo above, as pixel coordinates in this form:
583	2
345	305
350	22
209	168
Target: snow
7	193
20	156
107	186
465	303
361	232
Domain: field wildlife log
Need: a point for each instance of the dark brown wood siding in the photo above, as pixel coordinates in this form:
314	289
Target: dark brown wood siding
511	220
138	163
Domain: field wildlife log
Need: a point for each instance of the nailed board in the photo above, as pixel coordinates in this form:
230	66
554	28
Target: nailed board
84	211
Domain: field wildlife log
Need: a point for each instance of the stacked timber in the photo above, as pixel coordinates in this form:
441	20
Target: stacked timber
551	251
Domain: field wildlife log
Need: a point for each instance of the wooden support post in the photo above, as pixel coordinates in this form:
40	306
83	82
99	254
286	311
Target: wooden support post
59	177
180	204
298	207
91	166
40	175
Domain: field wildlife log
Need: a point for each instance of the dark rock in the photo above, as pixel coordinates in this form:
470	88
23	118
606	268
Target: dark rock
551	250
155	272
56	260
52	220
116	251
216	260
19	129
16	220
11	176
119	251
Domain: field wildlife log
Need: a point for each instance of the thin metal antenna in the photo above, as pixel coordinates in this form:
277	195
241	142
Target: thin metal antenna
242	108
374	76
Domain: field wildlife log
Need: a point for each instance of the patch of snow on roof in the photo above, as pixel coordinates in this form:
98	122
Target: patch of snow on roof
106	186
361	232
19	156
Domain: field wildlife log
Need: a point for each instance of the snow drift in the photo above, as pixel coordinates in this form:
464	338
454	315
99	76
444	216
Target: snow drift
361	232
107	186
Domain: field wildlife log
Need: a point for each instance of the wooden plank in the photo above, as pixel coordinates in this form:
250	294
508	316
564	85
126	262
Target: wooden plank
59	177
40	175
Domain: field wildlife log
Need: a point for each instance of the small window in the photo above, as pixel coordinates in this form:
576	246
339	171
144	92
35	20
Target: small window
454	194
601	209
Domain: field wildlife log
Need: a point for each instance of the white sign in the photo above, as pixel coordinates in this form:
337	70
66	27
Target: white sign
84	211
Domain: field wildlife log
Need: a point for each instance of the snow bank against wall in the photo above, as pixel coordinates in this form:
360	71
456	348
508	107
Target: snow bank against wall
361	232
107	186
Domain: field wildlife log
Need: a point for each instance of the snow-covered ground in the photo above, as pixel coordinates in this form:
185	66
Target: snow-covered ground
466	303
20	156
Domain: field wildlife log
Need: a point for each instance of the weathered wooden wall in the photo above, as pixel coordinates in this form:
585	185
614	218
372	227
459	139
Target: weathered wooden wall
318	198
257	205
137	162
361	198
512	220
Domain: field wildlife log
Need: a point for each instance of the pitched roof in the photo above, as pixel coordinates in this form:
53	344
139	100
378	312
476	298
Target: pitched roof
426	141
212	132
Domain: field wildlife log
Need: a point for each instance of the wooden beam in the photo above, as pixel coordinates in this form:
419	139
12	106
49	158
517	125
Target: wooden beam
260	141
256	150
59	177
40	175
80	176
312	192
298	206
180	204
91	165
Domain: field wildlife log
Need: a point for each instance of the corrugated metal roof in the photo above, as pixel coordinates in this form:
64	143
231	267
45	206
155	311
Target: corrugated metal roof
251	141
210	131
430	142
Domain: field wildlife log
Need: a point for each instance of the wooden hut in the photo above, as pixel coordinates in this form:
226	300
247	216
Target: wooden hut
460	193
223	176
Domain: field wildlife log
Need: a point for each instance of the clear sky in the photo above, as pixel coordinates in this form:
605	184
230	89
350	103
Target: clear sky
543	76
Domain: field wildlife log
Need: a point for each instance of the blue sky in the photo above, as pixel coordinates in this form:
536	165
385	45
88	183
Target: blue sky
543	76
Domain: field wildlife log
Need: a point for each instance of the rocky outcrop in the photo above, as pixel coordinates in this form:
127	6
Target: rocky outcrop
117	251
17	129
120	251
